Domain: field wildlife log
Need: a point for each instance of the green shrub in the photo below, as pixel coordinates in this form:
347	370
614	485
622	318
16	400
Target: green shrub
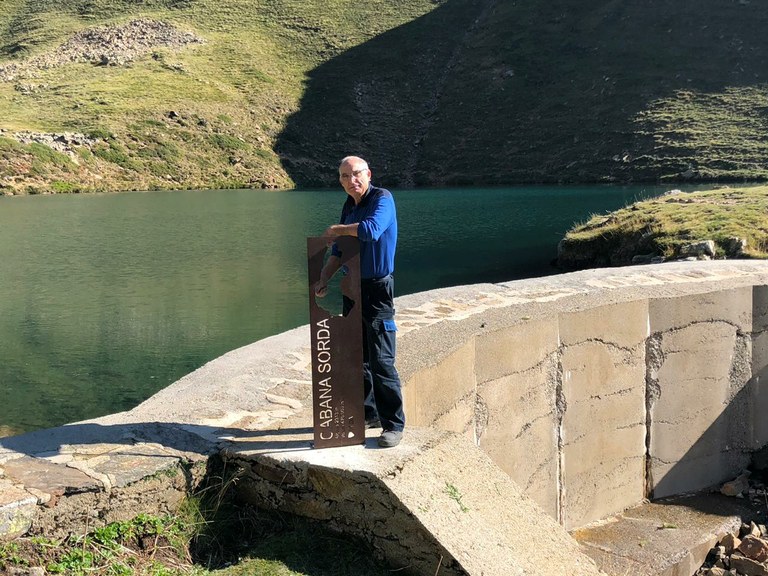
62	187
100	134
264	154
166	151
9	145
227	142
116	154
47	155
153	123
84	153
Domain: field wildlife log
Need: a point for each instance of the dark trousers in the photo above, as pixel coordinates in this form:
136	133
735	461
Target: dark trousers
383	392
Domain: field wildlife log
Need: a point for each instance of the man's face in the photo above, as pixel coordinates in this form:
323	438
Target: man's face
354	178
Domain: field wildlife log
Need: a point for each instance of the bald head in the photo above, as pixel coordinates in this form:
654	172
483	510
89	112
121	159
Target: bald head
353	161
354	176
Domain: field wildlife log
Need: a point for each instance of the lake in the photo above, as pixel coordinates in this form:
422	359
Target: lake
106	299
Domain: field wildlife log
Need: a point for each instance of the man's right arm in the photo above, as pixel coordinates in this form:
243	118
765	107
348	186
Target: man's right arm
331	267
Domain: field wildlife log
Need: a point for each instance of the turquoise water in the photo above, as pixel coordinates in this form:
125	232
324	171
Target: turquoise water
106	299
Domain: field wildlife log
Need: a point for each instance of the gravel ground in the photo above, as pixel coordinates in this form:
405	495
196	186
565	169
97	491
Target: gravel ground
744	553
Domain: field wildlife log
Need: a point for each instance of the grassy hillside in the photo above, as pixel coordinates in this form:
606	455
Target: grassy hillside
667	227
433	92
206	115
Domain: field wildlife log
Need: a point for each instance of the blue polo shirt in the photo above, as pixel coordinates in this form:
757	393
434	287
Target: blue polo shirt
376	229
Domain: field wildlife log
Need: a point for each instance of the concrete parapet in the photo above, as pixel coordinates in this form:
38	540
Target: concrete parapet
559	401
516	367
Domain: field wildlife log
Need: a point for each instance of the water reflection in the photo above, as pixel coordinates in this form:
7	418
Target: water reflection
106	299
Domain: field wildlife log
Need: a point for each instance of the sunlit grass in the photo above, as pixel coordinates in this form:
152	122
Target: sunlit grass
251	69
670	221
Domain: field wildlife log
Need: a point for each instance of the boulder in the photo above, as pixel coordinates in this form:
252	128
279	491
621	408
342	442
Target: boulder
698	249
754	548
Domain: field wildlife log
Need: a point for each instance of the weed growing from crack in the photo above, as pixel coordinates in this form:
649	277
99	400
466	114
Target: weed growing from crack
667	526
454	494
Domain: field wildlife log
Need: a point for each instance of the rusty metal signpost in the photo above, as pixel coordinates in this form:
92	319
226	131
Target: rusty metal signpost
337	351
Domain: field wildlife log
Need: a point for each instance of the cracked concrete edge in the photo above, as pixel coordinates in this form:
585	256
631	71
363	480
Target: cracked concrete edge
479	309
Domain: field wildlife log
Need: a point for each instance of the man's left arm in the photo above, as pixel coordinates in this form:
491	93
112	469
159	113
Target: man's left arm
341	230
372	226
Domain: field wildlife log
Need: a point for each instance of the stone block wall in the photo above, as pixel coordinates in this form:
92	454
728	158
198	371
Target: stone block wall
758	385
444	394
558	401
516	367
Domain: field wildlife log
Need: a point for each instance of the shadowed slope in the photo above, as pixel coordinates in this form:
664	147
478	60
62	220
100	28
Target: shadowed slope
495	92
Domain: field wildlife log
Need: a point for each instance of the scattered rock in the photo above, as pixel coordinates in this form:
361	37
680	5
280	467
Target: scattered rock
744	553
643	258
64	142
700	250
690	173
754	547
106	46
760	459
33	571
735	246
747	566
750	529
729	543
29	88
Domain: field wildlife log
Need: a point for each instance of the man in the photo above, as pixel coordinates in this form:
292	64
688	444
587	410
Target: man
369	215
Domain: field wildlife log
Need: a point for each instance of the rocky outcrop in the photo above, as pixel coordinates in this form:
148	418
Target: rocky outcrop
105	46
64	142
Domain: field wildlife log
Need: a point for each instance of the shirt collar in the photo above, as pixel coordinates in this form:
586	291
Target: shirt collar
363	200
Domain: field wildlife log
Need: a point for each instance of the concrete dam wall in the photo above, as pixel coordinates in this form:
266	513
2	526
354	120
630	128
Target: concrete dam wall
547	404
592	401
